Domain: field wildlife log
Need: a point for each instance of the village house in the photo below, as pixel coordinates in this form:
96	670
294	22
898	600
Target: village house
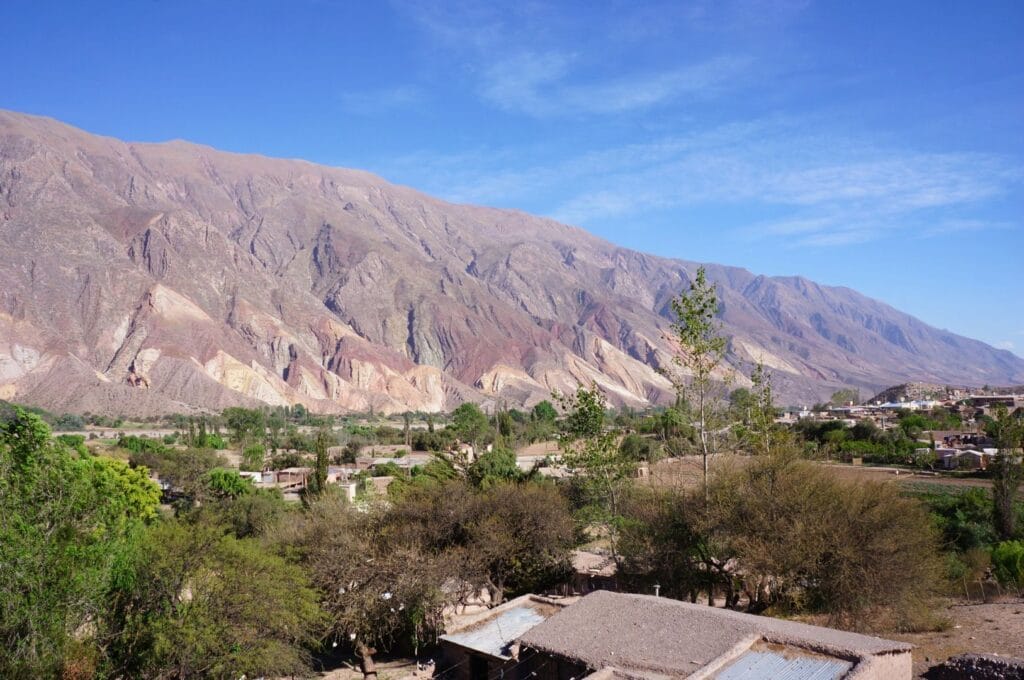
960	440
972	459
947	458
592	570
486	645
608	635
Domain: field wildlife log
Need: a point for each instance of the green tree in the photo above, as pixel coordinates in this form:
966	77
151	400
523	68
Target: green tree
224	483
470	423
544	411
850	550
671	423
318	482
601	472
784	532
129	491
246	424
845	396
742	402
506	426
1008	563
253	456
763	411
275	426
65	524
701	352
494	467
964	518
186	471
585	412
636	448
1007	471
76	442
194	602
519	538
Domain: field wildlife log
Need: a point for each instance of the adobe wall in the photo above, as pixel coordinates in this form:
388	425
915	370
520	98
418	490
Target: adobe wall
898	666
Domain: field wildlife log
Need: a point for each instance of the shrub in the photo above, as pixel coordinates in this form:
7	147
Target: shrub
75	442
226	483
637	448
213	441
252	457
140	444
1008	563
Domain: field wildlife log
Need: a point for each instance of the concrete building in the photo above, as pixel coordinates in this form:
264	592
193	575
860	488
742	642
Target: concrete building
608	635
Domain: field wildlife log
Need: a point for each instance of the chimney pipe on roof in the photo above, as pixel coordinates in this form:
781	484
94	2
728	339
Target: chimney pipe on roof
657	590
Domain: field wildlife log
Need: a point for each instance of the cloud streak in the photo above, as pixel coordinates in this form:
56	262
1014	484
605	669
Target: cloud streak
540	85
799	179
842	192
517	54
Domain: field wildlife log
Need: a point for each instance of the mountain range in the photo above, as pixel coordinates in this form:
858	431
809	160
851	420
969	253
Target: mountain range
139	279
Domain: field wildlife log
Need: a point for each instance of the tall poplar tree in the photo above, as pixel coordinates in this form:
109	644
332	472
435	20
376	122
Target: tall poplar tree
701	351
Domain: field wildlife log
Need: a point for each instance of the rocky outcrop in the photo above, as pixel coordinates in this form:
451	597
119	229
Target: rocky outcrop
978	667
226	279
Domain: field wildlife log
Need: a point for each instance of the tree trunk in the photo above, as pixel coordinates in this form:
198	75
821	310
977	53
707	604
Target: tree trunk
366	664
496	591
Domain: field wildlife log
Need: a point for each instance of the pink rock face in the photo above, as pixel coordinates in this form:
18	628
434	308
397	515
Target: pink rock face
220	279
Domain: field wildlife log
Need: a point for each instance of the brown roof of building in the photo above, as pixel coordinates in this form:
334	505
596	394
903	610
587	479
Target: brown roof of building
665	636
592	562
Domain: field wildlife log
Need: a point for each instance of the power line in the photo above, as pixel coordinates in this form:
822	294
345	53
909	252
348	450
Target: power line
502	671
451	668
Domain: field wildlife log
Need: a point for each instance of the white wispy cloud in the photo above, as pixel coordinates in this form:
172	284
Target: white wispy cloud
816	183
834	190
541	85
1006	344
519	57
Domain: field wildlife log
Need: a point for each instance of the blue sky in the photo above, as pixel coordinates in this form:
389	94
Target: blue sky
878	146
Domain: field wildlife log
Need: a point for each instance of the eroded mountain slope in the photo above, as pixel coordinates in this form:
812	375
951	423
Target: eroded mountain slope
140	278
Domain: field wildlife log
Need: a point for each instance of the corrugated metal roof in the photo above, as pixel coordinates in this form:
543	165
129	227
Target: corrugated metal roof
495	636
765	664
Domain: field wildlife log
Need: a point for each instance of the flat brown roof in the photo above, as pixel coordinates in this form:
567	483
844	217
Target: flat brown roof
665	636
